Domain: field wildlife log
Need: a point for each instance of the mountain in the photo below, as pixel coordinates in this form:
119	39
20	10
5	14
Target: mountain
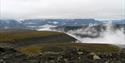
119	21
60	22
6	24
9	23
41	23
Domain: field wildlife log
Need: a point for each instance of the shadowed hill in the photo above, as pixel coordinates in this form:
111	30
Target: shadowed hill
23	38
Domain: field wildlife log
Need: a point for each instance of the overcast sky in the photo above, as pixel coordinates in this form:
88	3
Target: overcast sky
101	9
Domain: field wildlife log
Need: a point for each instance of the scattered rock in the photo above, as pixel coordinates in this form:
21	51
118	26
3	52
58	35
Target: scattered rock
65	55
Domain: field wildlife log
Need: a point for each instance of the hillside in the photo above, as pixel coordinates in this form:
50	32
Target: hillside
22	38
36	49
54	47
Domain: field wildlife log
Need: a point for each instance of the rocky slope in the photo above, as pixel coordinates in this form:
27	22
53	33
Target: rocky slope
54	54
54	47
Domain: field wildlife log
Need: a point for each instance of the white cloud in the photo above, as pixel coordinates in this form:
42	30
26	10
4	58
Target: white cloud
108	9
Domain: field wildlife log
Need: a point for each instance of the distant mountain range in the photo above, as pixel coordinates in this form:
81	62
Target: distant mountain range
10	23
119	21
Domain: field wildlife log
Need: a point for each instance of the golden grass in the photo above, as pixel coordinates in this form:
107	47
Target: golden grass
37	48
13	36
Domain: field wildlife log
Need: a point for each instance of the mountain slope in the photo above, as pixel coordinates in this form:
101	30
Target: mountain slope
31	37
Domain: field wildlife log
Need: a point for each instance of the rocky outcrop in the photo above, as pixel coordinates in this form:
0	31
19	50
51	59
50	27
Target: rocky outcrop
9	55
61	55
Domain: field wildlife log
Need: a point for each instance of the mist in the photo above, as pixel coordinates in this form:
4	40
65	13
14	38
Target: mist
108	36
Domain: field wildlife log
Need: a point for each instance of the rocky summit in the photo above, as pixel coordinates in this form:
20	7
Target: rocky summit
54	47
61	55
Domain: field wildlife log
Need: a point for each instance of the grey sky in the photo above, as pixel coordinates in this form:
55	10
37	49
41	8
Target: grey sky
101	9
